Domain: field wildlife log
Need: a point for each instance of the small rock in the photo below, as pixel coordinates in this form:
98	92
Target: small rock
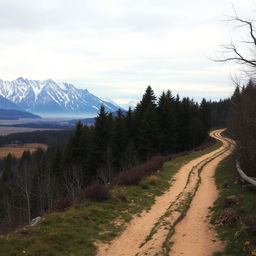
35	221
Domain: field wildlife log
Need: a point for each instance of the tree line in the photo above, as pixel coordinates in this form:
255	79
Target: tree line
115	143
242	125
49	137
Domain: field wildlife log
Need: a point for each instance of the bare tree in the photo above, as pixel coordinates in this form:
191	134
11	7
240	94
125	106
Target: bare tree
232	52
24	183
73	178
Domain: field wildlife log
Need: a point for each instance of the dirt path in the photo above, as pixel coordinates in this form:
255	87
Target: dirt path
194	235
154	231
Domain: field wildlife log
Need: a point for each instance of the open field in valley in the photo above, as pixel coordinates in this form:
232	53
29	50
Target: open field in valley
17	150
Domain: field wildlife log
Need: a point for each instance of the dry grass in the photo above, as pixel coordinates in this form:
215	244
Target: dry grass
36	146
17	150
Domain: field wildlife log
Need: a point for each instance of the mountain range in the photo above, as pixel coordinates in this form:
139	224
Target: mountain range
51	99
14	114
11	111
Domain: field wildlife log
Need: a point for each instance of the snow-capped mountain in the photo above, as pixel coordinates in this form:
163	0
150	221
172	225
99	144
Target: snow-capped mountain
48	98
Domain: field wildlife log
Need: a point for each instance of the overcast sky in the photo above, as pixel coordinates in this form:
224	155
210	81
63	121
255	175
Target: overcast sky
115	48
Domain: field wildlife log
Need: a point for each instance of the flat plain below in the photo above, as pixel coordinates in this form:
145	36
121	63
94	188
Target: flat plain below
17	150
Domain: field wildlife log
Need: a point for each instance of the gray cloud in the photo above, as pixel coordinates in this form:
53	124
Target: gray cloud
117	47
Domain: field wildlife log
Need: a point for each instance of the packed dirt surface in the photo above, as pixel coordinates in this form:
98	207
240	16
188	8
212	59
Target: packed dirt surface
164	230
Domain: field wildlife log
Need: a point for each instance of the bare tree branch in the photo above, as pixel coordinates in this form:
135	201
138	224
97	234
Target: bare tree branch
231	50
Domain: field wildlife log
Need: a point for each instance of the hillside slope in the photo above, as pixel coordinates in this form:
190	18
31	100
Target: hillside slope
13	114
78	230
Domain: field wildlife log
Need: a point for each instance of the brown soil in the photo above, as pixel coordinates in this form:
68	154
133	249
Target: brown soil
193	235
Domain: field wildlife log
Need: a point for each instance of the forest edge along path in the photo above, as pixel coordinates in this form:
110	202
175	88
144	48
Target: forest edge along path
171	227
178	223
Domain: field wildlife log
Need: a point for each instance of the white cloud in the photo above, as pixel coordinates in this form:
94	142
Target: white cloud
116	48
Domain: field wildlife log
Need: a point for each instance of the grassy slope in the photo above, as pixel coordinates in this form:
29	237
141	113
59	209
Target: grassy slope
74	231
239	242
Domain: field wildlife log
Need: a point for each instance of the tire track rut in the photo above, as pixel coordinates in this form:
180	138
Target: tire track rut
151	234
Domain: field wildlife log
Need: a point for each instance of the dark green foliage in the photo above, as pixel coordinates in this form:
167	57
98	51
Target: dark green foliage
119	141
219	112
147	129
166	112
184	116
8	163
242	125
206	116
102	143
121	149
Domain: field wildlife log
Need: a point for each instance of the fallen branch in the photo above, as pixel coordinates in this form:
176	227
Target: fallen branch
246	178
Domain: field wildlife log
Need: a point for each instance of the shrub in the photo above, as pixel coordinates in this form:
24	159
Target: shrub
144	184
97	192
62	204
120	197
228	216
152	180
134	175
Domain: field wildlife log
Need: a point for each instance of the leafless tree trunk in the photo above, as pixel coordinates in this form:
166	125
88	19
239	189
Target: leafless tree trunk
73	180
24	183
106	173
232	52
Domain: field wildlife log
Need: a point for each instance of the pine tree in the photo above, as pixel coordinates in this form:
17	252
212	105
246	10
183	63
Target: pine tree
102	158
73	152
197	130
119	141
167	123
235	113
8	163
148	98
131	154
147	139
184	124
205	116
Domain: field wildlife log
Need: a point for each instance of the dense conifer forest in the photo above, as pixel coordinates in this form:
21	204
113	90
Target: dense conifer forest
105	153
242	125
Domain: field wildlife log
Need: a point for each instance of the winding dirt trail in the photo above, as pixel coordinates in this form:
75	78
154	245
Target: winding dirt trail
164	230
